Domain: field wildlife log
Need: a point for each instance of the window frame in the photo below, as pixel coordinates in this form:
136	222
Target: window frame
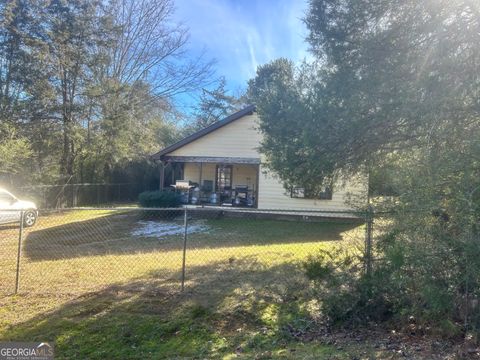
298	192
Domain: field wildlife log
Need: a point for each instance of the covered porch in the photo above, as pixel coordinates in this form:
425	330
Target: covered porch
214	181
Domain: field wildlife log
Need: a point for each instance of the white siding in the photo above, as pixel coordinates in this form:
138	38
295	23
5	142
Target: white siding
237	139
272	195
241	139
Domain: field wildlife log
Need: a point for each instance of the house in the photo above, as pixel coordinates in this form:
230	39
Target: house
221	165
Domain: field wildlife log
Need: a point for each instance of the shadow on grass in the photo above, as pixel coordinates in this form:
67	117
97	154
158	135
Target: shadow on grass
238	307
113	234
9	226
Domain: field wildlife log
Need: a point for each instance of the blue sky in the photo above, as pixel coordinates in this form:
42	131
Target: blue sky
241	35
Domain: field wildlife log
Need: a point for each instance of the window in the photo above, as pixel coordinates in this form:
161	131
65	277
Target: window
224	177
302	193
297	192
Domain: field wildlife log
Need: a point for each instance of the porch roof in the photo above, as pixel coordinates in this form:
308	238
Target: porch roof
211	159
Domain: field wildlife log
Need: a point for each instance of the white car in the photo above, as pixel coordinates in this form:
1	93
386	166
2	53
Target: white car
11	208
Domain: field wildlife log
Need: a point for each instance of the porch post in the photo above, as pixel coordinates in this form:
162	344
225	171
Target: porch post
256	191
162	175
200	177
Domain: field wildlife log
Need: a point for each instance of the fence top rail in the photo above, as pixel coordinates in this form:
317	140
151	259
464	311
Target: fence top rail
66	185
113	208
207	209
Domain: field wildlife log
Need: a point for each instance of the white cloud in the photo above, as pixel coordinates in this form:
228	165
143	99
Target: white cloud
244	34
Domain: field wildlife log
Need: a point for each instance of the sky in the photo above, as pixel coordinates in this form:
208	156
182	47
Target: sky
242	34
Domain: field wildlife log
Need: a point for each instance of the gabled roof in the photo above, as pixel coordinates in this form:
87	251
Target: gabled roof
235	116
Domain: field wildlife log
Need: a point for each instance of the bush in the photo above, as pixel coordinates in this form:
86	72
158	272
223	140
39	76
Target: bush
159	199
433	283
348	296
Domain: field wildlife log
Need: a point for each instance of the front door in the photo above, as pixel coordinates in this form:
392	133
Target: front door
223	182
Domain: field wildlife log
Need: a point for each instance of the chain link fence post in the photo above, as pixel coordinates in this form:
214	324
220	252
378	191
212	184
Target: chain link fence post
19	252
185	232
368	240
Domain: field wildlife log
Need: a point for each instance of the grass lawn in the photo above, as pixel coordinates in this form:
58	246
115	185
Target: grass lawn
100	284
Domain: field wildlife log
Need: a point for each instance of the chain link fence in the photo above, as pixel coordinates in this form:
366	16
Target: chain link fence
88	249
85	194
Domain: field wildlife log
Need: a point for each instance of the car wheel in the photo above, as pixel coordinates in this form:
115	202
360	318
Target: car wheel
29	218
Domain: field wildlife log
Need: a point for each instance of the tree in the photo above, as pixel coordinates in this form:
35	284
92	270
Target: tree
214	105
25	93
18	69
14	151
285	98
403	68
146	67
396	83
391	74
75	35
92	85
149	47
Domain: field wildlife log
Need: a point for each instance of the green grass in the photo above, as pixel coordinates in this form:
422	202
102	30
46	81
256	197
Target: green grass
98	292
